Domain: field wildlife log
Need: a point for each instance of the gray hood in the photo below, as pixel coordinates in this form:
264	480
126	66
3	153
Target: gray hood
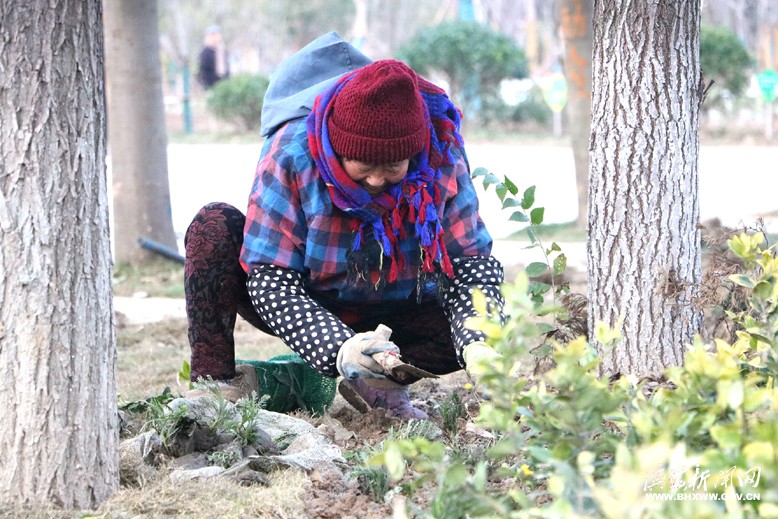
296	82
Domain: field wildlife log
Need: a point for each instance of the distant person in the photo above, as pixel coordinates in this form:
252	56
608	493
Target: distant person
362	213
213	59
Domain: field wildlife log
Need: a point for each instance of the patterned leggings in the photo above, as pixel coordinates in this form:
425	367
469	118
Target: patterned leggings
215	287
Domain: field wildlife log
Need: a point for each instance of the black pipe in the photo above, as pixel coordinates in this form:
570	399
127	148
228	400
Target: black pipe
160	249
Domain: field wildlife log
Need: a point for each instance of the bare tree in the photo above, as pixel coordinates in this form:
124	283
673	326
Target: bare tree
59	429
272	30
644	244
576	27
136	127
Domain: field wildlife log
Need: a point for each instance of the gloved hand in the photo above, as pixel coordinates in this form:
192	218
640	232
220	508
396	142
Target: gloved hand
479	356
355	356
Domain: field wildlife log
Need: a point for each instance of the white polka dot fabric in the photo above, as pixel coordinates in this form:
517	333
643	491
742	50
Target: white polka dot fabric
313	332
484	273
308	328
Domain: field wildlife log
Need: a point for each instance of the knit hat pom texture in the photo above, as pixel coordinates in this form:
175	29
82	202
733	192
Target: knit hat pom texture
378	116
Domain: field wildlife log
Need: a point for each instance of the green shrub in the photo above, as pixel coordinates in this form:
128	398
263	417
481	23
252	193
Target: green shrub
532	110
168	423
725	60
698	443
472	57
238	100
578	445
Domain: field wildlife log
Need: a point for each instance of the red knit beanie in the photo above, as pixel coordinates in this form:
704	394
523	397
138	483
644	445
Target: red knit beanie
378	116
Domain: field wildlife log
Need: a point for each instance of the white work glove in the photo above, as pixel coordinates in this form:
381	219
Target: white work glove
355	358
479	357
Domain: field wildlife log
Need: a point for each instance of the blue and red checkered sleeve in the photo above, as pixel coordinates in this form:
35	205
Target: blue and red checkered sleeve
276	229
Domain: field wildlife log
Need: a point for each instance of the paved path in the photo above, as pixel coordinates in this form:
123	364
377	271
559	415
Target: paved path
143	310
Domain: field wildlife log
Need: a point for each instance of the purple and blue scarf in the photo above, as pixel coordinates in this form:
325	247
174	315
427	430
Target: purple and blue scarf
416	199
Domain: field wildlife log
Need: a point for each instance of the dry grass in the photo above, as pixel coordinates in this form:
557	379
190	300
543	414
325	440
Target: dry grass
149	359
217	498
212	498
151	355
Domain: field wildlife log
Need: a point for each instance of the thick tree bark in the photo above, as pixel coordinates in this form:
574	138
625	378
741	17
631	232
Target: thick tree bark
576	26
644	244
59	431
136	126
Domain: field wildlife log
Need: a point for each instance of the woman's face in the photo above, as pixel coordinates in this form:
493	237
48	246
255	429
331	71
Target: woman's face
376	178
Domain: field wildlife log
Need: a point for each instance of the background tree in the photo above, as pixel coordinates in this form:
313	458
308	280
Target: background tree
575	23
754	22
644	244
391	24
260	32
59	432
470	57
137	136
725	60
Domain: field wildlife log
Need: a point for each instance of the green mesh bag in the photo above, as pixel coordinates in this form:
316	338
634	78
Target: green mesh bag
291	384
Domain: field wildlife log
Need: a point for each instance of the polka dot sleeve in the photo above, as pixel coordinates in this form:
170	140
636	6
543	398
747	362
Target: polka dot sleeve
280	299
470	272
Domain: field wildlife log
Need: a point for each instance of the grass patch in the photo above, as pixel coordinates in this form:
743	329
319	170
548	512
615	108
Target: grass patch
150	355
157	278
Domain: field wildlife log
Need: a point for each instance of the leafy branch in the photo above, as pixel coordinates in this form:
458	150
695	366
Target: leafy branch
522	211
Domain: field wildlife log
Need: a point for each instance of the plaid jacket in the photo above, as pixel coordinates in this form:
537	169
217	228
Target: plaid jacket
296	253
291	222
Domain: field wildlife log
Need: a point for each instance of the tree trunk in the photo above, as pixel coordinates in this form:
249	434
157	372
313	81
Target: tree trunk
59	433
576	24
136	129
644	245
